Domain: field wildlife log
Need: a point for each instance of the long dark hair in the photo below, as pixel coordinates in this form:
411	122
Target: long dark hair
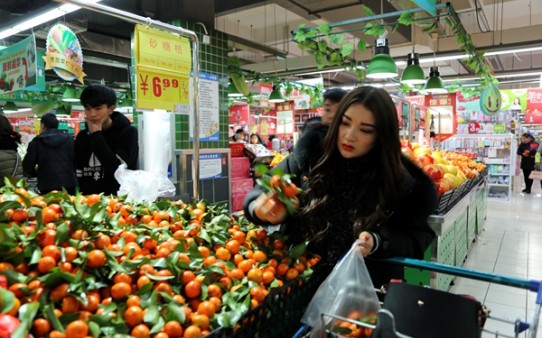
6	130
385	173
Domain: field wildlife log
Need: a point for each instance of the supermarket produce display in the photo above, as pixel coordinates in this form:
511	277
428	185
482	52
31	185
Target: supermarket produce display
454	173
76	266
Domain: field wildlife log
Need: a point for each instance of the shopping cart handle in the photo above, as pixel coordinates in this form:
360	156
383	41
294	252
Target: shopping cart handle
529	284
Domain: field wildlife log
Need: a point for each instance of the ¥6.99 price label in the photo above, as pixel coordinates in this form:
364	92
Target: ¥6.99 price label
157	90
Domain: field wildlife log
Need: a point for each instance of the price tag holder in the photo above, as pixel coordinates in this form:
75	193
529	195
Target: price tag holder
157	89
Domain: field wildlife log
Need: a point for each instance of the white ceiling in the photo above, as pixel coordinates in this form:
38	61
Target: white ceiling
260	32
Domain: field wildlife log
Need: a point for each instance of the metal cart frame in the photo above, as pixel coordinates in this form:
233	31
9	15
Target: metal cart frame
385	317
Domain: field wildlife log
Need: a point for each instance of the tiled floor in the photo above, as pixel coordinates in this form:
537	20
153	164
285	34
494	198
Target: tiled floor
510	244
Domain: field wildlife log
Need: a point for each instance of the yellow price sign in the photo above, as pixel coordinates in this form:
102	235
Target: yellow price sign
160	90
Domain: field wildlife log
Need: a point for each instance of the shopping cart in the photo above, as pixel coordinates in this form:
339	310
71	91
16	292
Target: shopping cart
390	317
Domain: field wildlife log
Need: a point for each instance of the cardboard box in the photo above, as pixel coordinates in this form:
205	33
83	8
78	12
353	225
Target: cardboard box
239	189
241	186
240	168
237	149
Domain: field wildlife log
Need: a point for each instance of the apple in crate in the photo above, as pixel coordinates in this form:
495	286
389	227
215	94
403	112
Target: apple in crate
424	160
443	185
434	171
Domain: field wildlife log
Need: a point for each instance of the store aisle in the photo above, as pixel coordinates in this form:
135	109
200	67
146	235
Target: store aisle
510	244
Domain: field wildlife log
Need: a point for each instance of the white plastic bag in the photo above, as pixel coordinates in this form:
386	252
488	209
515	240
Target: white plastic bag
141	185
348	289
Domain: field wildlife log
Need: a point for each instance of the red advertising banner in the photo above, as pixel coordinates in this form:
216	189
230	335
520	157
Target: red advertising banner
265	91
533	112
238	114
442	112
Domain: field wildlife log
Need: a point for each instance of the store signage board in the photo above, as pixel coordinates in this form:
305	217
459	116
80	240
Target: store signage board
64	54
443	113
209	103
473	127
238	114
265	90
533	110
285	117
499	128
210	166
18	68
160	89
163	65
514	99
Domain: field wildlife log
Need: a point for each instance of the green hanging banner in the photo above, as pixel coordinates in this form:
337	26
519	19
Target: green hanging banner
430	6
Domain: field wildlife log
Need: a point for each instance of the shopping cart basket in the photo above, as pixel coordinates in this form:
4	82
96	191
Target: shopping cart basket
393	317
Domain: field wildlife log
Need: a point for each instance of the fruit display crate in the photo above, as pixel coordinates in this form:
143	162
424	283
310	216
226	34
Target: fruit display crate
280	314
450	198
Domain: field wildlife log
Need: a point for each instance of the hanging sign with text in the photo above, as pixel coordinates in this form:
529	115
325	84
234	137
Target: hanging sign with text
159	89
18	66
163	64
64	54
533	111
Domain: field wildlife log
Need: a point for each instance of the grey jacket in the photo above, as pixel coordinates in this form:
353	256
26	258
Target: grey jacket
8	160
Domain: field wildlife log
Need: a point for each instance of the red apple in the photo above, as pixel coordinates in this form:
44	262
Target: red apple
424	160
434	171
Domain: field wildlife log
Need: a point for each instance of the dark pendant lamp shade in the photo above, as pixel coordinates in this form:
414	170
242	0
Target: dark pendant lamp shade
70	95
413	73
382	65
434	84
61	111
276	95
232	90
10	107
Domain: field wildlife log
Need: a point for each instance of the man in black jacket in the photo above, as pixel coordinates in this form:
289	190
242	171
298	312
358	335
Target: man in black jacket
108	140
52	153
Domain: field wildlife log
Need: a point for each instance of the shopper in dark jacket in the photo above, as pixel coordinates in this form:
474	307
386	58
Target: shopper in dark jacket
10	162
355	185
527	150
52	152
108	140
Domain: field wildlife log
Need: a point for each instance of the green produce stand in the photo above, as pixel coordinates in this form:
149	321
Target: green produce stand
456	233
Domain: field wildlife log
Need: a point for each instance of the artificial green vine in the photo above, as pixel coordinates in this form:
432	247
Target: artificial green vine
314	41
240	78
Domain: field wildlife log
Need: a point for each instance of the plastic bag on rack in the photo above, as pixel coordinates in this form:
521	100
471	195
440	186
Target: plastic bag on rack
141	185
347	292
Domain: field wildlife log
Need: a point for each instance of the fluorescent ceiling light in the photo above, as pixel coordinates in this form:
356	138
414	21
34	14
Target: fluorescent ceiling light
514	51
41	19
500	76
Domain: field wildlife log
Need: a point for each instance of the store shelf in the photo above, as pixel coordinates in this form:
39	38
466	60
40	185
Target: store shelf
492	161
497	151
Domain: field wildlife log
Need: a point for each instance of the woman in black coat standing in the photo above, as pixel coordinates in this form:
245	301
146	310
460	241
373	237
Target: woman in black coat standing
355	184
527	150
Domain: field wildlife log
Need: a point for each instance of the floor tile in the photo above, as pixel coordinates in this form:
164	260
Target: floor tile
510	244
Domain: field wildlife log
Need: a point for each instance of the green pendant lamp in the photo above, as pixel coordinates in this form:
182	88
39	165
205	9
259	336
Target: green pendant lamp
232	90
10	107
70	95
413	73
61	110
382	65
434	84
276	95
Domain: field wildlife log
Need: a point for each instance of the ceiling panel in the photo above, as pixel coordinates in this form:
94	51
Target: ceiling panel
495	23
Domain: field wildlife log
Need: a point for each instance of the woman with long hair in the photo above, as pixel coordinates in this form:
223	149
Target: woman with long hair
10	163
355	184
